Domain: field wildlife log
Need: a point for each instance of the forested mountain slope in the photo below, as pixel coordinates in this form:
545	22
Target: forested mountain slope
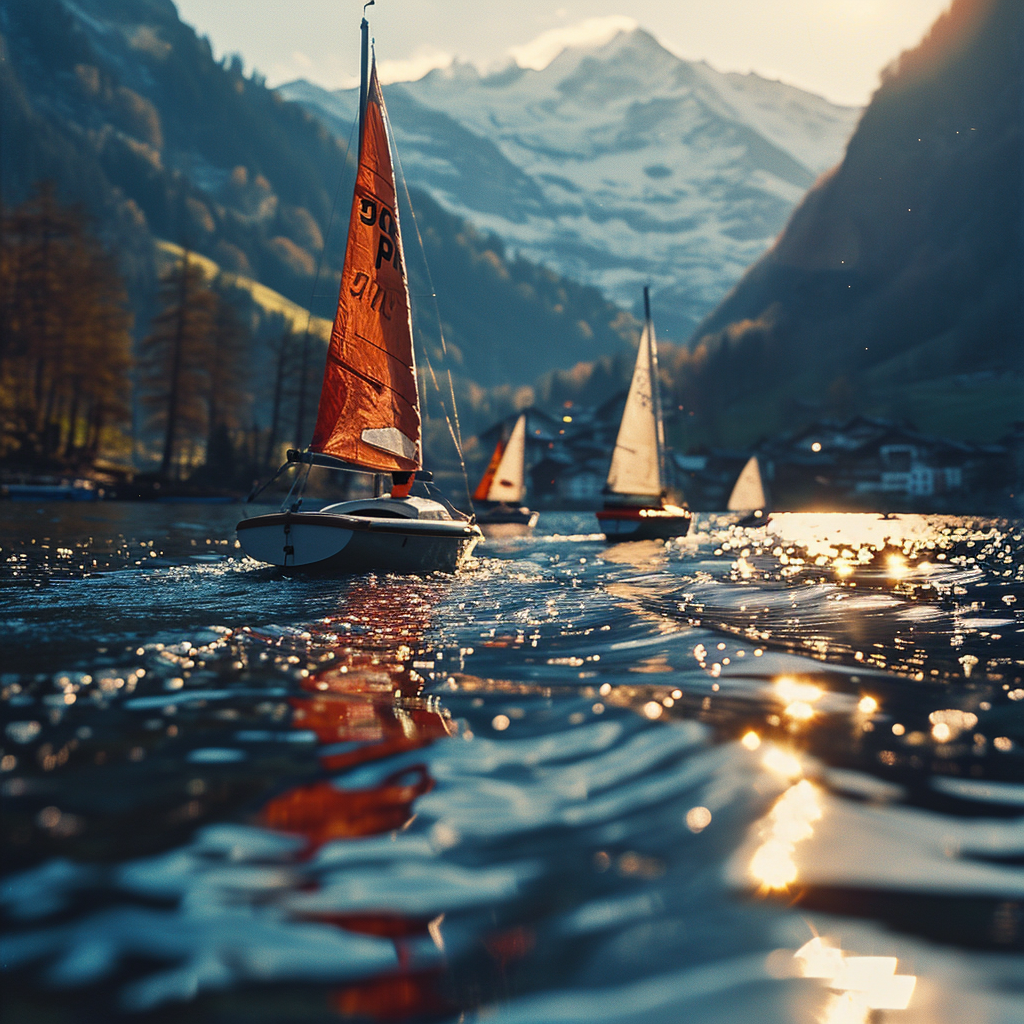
617	164
125	108
897	287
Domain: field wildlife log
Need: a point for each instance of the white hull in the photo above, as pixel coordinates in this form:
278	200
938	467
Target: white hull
506	520
340	539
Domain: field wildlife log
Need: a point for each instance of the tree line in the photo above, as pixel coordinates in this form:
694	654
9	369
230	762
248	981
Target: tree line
65	336
178	401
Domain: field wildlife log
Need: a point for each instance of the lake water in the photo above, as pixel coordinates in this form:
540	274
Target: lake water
771	775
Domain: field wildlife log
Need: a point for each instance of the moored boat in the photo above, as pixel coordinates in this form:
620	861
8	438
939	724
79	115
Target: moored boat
498	497
636	505
749	495
368	419
51	490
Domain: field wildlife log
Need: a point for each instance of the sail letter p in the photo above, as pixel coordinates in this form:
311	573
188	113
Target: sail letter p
385	250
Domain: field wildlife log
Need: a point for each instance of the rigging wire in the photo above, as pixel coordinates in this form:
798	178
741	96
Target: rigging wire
456	431
304	478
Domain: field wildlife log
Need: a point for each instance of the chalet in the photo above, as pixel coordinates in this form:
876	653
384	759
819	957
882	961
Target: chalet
863	462
878	463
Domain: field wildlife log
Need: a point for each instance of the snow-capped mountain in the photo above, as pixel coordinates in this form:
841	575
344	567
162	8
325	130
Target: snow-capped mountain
616	165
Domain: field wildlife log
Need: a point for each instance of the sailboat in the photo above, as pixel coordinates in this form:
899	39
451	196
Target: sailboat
368	419
503	485
748	495
635	506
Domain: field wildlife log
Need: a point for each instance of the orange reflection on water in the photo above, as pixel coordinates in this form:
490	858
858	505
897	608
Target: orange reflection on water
365	707
368	727
320	812
393	997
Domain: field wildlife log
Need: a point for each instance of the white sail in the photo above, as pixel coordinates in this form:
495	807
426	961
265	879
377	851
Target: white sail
636	461
748	493
508	481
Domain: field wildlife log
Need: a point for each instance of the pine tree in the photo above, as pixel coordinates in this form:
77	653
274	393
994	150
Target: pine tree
227	397
285	351
174	370
65	343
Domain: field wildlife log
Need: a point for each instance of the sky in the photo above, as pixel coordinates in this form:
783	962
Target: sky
835	48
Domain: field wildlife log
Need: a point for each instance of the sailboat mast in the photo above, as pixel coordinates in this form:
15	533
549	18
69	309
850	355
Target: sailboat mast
652	363
364	72
364	79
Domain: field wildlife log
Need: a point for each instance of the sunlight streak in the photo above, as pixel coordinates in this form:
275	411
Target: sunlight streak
863	983
773	865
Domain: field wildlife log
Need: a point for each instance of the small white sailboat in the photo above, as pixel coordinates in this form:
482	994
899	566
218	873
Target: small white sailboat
498	497
748	495
369	416
635	507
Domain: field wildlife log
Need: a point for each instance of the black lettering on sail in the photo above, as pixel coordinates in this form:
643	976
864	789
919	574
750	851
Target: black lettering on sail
367	211
385	250
359	283
387	222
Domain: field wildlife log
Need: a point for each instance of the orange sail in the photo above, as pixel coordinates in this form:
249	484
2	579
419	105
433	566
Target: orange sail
369	410
480	494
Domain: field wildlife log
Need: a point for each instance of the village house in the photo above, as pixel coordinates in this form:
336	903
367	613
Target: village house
874	463
864	463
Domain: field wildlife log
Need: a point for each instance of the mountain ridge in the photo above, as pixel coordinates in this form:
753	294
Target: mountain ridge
617	165
904	264
126	108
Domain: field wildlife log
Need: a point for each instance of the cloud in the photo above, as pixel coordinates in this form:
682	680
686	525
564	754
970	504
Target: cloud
424	60
539	53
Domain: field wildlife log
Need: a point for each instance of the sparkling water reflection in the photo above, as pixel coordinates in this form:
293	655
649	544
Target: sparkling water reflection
771	774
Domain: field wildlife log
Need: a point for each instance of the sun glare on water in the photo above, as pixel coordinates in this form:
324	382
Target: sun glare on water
791	820
799	698
861	984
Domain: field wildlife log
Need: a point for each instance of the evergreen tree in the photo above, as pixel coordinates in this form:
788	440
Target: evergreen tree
227	397
174	363
65	343
286	352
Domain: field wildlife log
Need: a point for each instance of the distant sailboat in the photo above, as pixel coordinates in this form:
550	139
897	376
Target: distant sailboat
748	495
635	507
503	484
369	415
